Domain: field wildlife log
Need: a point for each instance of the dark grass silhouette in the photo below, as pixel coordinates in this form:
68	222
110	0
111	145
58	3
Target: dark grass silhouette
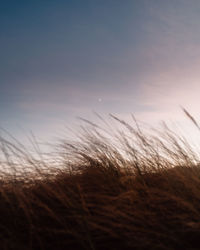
130	190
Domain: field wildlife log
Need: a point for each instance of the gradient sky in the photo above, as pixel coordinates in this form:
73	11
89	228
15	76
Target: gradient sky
60	59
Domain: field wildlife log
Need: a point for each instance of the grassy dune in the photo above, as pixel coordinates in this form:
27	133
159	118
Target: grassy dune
119	190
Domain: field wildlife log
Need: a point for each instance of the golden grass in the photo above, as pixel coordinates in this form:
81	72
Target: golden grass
134	191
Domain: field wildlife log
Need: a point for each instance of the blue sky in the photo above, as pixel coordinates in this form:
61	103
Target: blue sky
63	59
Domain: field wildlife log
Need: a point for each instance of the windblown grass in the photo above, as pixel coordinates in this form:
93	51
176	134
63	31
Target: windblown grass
120	190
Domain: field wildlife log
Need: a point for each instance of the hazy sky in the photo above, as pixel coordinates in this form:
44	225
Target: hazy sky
62	59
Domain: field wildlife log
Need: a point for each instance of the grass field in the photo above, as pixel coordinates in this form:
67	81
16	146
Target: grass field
134	191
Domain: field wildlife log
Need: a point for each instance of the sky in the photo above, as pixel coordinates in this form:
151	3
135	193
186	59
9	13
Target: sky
61	59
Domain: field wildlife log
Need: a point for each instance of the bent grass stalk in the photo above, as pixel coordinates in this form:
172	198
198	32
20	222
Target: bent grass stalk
123	189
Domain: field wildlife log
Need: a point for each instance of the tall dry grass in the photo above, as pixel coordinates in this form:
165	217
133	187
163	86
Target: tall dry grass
111	189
